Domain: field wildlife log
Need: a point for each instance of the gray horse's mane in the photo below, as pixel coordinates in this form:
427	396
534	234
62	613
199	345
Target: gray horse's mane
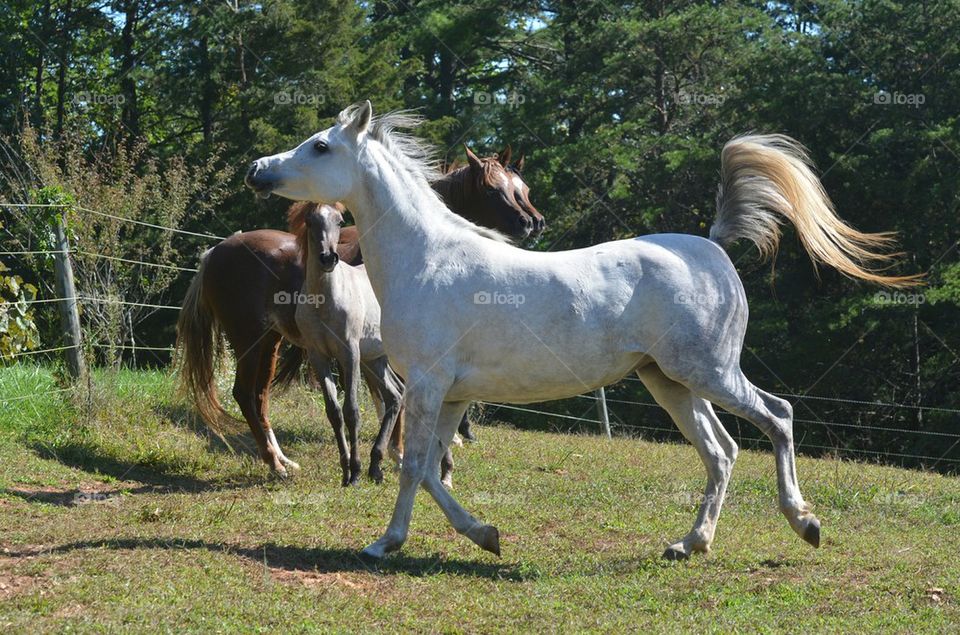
417	155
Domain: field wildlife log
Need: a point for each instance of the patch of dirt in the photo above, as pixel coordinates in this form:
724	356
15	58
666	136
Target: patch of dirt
936	595
359	582
11	584
70	610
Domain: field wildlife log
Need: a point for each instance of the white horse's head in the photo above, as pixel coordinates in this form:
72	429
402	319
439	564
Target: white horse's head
322	169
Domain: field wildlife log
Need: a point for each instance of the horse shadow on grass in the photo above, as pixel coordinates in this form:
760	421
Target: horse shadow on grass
153	479
289	558
239	439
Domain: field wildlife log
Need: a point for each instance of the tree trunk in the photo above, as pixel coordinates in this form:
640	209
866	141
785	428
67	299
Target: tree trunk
66	50
38	76
208	93
130	114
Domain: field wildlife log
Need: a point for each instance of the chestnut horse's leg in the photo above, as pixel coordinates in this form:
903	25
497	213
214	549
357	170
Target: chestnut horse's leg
464	429
446	468
396	439
322	367
268	367
246	388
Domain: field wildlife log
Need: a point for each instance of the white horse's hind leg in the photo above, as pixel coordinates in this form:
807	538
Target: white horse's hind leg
699	424
485	536
774	417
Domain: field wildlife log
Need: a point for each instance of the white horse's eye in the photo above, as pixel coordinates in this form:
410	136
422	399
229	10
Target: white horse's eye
321	146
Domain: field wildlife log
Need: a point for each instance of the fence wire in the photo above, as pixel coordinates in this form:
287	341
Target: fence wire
525	409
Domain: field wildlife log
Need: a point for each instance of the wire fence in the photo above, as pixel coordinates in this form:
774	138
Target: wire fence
617	423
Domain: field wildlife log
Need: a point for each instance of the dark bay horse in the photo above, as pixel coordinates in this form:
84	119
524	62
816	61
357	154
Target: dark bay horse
249	285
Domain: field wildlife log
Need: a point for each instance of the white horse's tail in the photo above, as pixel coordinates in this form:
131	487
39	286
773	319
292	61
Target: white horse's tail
765	179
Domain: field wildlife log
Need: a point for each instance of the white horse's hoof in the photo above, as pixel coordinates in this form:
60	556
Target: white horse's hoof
447	481
812	532
675	552
373	552
487	537
457	441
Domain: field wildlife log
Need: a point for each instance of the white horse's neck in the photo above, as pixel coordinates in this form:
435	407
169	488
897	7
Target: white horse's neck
401	220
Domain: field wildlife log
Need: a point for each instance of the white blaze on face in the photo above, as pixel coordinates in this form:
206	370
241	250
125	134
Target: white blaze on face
518	182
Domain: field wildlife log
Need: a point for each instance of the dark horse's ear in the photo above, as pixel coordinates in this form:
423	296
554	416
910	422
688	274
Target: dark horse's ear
519	164
474	160
504	157
338	210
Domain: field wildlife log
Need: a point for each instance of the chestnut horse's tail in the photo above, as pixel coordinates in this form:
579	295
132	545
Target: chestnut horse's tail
199	348
766	179
288	369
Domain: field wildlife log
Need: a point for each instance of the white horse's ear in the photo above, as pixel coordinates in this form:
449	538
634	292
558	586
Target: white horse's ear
361	120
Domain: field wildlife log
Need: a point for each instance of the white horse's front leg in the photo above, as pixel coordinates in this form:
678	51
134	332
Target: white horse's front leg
423	401
485	536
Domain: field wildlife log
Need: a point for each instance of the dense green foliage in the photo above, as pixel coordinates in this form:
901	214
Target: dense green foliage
621	109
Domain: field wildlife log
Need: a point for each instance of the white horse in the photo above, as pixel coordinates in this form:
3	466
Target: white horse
518	326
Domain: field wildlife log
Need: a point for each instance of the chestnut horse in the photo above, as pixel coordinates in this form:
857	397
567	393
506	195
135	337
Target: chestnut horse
247	286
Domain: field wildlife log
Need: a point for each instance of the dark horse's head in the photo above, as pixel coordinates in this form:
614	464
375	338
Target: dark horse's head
521	191
485	192
317	228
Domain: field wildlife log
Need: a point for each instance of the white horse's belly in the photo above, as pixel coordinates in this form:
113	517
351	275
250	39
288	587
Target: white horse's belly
550	381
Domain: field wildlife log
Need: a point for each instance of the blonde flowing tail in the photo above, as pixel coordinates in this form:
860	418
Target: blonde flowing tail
765	179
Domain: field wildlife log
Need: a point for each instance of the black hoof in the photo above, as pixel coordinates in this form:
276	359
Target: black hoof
376	476
812	533
370	560
675	554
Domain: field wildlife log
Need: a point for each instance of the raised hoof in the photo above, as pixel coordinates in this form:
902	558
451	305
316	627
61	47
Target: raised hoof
812	533
674	553
487	537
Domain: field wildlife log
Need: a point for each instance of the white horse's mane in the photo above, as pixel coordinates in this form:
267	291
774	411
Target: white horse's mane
417	156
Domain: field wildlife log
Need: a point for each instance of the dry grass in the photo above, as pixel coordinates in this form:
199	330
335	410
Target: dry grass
126	517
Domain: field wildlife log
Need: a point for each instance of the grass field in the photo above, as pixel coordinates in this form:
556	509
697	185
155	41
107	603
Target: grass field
118	514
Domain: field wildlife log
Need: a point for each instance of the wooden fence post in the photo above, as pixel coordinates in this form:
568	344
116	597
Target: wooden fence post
69	316
601	396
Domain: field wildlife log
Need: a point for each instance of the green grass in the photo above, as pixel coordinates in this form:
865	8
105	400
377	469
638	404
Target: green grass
117	513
